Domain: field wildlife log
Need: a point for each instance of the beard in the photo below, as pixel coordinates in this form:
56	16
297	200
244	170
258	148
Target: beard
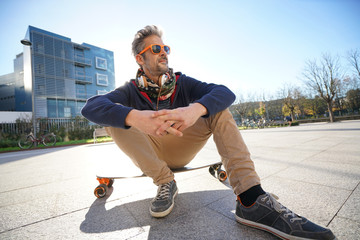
156	68
162	67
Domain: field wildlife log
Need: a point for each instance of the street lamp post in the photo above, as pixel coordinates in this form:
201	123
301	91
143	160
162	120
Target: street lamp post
27	42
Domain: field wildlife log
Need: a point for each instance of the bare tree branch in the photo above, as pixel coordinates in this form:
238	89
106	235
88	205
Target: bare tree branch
354	60
324	78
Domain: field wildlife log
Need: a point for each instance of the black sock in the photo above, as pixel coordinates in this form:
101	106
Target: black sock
249	196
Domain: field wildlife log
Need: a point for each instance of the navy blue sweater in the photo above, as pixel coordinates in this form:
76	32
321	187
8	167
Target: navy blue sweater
112	108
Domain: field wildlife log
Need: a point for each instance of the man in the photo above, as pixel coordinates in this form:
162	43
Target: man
161	120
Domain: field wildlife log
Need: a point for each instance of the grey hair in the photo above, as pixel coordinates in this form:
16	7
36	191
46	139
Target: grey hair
138	42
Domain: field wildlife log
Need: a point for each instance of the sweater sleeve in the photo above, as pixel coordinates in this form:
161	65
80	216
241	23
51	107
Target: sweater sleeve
214	97
109	109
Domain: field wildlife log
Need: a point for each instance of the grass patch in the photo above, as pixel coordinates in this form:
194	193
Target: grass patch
270	126
58	144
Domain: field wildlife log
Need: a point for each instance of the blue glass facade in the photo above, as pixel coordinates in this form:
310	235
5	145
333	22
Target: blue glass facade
65	73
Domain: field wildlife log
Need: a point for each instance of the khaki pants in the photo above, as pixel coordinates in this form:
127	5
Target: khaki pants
156	155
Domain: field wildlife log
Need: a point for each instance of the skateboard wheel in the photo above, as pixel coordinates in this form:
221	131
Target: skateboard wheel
221	175
212	171
100	191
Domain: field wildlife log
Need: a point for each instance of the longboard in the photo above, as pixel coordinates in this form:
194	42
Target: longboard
107	181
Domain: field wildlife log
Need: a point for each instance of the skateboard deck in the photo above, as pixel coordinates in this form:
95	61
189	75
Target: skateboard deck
106	181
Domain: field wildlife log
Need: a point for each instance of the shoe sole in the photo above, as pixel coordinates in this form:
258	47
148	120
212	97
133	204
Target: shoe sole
167	211
269	229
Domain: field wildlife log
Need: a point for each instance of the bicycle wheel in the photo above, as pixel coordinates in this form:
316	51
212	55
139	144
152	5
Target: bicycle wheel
25	142
49	139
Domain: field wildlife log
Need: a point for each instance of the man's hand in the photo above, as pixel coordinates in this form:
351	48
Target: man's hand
177	120
146	122
160	123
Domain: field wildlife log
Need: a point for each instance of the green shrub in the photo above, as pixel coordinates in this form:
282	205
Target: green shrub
295	124
78	134
8	143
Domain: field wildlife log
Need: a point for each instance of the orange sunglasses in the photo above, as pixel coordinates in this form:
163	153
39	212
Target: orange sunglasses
156	49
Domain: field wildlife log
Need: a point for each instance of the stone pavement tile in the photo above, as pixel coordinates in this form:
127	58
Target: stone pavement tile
203	223
320	144
37	203
226	207
338	175
45	169
282	155
288	138
193	194
15	177
351	209
138	207
350	145
18	215
345	229
266	167
96	223
335	155
316	202
71	187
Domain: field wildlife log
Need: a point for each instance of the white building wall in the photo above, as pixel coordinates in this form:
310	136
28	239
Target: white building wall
10	117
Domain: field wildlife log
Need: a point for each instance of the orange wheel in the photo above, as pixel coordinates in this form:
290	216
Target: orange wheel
221	175
100	191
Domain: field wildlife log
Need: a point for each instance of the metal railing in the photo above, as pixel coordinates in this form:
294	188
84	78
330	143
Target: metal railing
46	124
82	60
82	78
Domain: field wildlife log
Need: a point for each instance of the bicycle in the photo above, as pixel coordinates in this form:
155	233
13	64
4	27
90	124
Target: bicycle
27	141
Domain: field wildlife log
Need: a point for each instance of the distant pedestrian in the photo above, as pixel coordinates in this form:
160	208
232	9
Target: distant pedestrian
289	120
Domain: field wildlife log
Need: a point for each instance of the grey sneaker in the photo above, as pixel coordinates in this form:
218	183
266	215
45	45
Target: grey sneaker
269	215
163	203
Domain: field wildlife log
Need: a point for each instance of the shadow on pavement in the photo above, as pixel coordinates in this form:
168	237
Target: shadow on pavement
23	154
204	214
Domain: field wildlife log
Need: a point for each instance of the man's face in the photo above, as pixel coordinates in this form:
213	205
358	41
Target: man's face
153	65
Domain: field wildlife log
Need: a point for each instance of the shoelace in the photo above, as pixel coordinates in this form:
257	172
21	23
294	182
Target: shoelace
272	200
163	191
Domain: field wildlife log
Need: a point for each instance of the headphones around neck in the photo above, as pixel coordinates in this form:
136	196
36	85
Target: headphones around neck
142	79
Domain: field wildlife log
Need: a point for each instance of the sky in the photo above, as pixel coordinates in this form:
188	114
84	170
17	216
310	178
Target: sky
252	47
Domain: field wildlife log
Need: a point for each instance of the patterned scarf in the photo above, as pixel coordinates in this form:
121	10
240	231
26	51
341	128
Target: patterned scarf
153	90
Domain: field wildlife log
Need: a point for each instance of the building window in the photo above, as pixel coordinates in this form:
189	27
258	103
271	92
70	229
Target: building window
40	69
101	92
79	53
80	91
79	106
101	63
39	47
102	80
67	112
51	108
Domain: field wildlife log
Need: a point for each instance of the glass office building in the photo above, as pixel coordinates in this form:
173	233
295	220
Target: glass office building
62	74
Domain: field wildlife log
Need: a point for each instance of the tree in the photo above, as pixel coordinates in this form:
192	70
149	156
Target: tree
324	78
239	108
314	106
274	109
261	111
353	99
354	60
291	100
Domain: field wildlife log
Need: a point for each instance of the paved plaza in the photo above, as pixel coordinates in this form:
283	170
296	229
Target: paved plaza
313	168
